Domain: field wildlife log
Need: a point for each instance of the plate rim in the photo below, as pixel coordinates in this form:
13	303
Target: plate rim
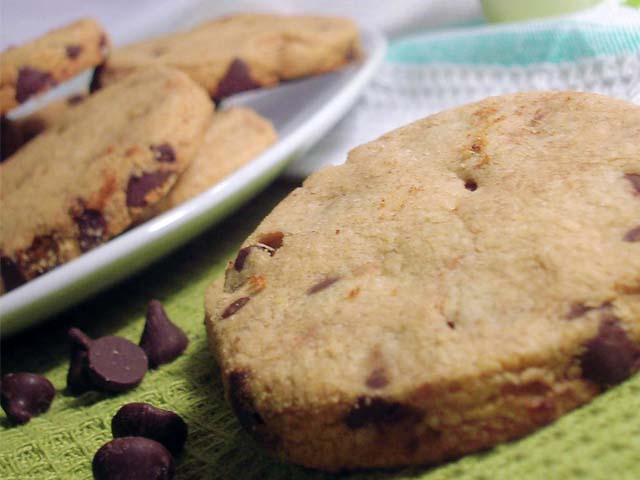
62	287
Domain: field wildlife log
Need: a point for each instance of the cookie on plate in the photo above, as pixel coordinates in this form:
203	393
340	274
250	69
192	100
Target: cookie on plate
458	283
30	69
97	170
235	137
243	52
19	131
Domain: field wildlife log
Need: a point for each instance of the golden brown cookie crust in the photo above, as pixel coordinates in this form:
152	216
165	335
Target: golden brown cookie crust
99	168
459	282
235	137
242	52
30	69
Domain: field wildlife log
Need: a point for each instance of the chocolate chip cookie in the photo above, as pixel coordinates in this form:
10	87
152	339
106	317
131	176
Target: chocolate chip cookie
33	68
19	131
458	283
97	170
235	137
243	52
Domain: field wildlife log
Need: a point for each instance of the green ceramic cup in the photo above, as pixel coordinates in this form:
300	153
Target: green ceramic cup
515	10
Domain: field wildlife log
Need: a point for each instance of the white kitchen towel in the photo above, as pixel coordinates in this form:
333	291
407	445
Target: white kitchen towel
596	50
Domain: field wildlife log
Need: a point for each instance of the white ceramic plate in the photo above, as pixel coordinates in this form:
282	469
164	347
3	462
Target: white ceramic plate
301	111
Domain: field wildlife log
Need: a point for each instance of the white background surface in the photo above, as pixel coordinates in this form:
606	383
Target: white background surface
128	20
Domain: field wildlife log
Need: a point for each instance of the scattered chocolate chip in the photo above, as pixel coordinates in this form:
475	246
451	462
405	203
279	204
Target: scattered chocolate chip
235	306
161	339
78	380
96	83
31	81
132	458
378	411
25	395
12	276
471	185
321	285
139	187
163	153
145	420
634	178
73	51
75	99
632	235
272	239
92	229
115	364
237	79
611	356
238	264
377	379
451	324
242	402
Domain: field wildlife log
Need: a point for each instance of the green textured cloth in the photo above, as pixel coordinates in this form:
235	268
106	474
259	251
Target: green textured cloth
599	441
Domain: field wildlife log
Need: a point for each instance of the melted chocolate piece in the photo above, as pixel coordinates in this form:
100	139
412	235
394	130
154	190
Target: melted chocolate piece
237	79
611	356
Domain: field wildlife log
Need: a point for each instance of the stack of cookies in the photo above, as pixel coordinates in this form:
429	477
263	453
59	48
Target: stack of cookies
144	136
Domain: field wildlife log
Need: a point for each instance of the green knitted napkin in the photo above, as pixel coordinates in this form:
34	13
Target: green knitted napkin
599	441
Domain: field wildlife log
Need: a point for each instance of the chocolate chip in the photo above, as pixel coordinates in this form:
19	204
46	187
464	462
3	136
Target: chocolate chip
78	380
73	51
11	138
75	99
139	187
12	276
378	411
321	285
634	178
237	79
92	229
25	395
161	340
352	54
115	364
577	310
41	256
241	401
235	306
163	153
632	235
272	239
471	185
145	420
238	264
31	81
96	82
132	458
269	242
377	379
611	356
